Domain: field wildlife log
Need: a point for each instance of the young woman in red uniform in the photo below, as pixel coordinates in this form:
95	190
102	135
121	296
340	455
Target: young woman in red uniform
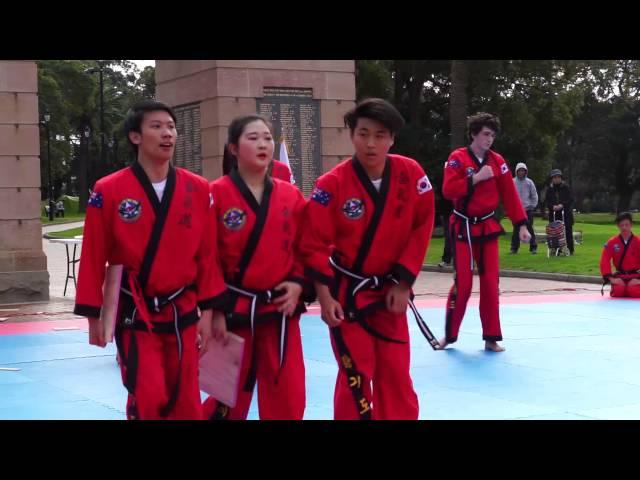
258	218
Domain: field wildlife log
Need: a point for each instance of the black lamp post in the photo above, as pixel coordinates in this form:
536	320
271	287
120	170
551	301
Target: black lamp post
84	169
100	70
47	118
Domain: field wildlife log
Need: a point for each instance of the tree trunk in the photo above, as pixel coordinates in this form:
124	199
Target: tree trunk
621	179
458	103
398	78
415	89
624	199
83	174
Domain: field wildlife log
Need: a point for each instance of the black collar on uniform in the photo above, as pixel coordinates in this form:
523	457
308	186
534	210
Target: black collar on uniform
158	206
628	241
476	160
161	209
246	192
379	200
376	196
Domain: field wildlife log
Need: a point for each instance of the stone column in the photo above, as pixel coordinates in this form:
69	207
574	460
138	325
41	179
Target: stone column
224	89
23	264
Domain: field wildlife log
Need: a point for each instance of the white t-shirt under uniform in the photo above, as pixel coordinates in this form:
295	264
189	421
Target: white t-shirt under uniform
159	188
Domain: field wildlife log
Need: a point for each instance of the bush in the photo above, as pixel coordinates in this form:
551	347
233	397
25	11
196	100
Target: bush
71	204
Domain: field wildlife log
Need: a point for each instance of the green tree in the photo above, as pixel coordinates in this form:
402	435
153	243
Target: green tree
70	93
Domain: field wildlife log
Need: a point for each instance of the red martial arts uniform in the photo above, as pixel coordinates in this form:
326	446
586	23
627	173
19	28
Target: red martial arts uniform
257	246
626	259
166	248
474	216
372	237
281	171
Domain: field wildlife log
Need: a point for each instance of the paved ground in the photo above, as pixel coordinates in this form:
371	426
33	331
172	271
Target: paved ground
571	354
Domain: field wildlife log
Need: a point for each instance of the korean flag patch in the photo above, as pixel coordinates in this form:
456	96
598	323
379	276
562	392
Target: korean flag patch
424	185
504	168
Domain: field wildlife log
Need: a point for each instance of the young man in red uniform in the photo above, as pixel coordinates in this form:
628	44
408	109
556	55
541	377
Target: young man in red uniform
367	228
624	251
475	179
258	223
158	222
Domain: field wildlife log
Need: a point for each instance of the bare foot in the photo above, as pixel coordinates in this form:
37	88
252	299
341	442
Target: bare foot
443	343
493	346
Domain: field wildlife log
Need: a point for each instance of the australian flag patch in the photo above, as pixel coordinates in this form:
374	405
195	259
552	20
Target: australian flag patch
95	200
453	163
321	196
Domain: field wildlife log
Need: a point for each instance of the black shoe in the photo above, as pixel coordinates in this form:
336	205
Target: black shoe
513	252
534	252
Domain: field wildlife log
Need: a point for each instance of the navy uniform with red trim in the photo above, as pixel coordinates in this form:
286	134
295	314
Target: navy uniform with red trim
626	259
474	231
359	240
166	248
257	246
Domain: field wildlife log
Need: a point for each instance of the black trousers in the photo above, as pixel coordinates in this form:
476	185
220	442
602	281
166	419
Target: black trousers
515	238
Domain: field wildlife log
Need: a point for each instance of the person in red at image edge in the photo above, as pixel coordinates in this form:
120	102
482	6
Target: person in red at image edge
366	232
624	251
475	179
276	169
158	222
258	221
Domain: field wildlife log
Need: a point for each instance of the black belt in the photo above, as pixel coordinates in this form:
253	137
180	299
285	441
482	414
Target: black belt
473	221
179	323
376	282
260	297
184	321
354	377
156	303
606	280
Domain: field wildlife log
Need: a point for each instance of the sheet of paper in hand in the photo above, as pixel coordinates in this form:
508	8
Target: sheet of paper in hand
111	295
220	369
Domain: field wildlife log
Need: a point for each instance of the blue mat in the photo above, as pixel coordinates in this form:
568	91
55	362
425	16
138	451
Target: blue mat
563	361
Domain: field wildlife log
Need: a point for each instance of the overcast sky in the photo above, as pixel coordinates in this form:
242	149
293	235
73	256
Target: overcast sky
144	63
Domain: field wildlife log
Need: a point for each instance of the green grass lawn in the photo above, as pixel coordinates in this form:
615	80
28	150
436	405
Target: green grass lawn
595	218
67	233
586	260
62	221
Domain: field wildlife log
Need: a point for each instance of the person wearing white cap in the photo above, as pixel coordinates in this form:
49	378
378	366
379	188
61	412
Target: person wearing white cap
529	198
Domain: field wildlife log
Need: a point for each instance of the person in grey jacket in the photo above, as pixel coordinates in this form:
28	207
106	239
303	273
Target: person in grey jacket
529	198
